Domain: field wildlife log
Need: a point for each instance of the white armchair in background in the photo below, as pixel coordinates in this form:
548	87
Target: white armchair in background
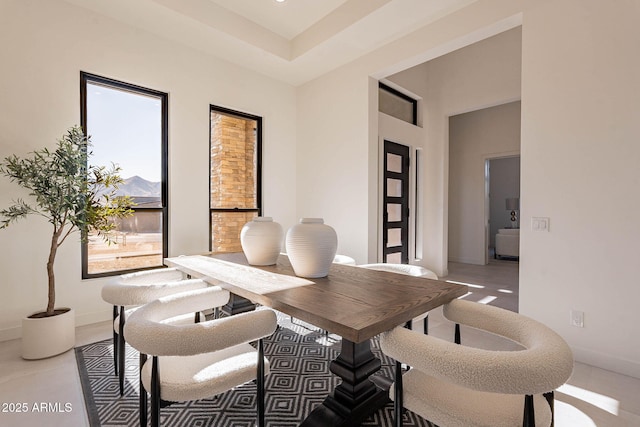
508	242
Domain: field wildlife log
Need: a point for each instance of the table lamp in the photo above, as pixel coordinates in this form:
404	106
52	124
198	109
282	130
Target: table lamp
513	204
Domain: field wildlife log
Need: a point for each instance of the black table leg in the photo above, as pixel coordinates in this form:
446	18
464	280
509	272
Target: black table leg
237	304
357	396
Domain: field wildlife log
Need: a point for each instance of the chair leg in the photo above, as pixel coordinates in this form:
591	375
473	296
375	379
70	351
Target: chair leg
155	393
409	324
143	394
529	419
121	348
260	384
551	401
426	324
115	340
456	337
397	396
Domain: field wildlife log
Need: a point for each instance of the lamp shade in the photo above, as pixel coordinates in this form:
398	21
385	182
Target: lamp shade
513	204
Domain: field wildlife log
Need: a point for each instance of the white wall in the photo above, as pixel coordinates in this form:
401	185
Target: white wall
580	157
45	46
581	168
475	137
332	153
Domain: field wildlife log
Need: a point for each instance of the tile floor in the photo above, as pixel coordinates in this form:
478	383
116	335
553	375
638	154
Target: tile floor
592	396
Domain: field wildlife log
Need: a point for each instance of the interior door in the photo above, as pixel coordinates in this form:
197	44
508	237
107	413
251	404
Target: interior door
395	223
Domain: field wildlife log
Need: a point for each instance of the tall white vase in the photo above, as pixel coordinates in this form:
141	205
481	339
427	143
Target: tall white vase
311	246
261	240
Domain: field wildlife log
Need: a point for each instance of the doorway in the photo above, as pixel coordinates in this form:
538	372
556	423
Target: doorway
502	196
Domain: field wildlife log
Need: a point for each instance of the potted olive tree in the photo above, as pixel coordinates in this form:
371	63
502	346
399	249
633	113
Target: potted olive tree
72	196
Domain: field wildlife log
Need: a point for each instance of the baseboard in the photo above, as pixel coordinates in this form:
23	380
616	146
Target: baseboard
81	320
607	361
10	334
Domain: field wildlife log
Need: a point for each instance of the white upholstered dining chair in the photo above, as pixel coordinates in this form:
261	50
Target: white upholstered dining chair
455	385
409	270
129	291
196	361
343	259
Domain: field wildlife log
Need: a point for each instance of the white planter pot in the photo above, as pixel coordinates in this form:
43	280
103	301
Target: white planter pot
48	336
311	246
261	241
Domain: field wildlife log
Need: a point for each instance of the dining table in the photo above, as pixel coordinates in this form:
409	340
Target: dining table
353	302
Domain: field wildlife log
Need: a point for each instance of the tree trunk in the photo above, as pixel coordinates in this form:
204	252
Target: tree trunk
50	274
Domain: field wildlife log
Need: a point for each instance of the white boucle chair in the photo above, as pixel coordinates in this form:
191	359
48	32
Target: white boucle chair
196	361
344	259
454	385
409	270
129	291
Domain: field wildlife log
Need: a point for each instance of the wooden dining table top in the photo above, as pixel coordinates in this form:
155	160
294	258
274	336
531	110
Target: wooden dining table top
354	302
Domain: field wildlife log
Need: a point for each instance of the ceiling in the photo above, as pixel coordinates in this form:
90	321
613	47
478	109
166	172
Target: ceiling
293	41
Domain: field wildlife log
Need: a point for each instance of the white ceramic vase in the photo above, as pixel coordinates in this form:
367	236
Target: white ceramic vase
261	240
48	336
311	246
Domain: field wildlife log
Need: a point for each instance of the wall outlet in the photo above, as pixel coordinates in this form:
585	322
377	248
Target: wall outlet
576	318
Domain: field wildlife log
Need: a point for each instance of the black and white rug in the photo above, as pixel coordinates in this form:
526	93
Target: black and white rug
299	355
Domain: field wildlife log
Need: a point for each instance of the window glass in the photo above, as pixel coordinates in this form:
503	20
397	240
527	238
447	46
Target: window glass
127	126
235	176
397	104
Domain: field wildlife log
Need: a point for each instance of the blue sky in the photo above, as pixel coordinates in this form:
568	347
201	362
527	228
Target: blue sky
125	128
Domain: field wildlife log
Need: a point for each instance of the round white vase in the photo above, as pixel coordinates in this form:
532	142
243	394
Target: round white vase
48	336
311	246
261	240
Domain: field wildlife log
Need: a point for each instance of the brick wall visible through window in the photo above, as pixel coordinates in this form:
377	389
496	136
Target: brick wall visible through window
234	176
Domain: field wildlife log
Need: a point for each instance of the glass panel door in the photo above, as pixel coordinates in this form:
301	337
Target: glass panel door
396	203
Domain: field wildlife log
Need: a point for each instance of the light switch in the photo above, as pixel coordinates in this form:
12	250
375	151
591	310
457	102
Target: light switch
540	223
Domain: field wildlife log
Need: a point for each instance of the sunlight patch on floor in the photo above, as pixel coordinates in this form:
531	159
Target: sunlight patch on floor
601	401
487	300
328	340
568	415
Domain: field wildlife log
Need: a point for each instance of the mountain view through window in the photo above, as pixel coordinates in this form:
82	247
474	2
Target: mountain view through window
126	128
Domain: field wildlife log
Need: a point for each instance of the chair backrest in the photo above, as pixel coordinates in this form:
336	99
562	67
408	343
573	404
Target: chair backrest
138	292
151	276
147	331
410	270
544	363
344	259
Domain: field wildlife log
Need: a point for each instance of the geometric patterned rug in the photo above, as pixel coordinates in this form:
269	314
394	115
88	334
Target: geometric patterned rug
299	380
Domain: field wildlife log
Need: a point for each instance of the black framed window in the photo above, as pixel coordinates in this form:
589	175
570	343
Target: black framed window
128	126
235	176
397	104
